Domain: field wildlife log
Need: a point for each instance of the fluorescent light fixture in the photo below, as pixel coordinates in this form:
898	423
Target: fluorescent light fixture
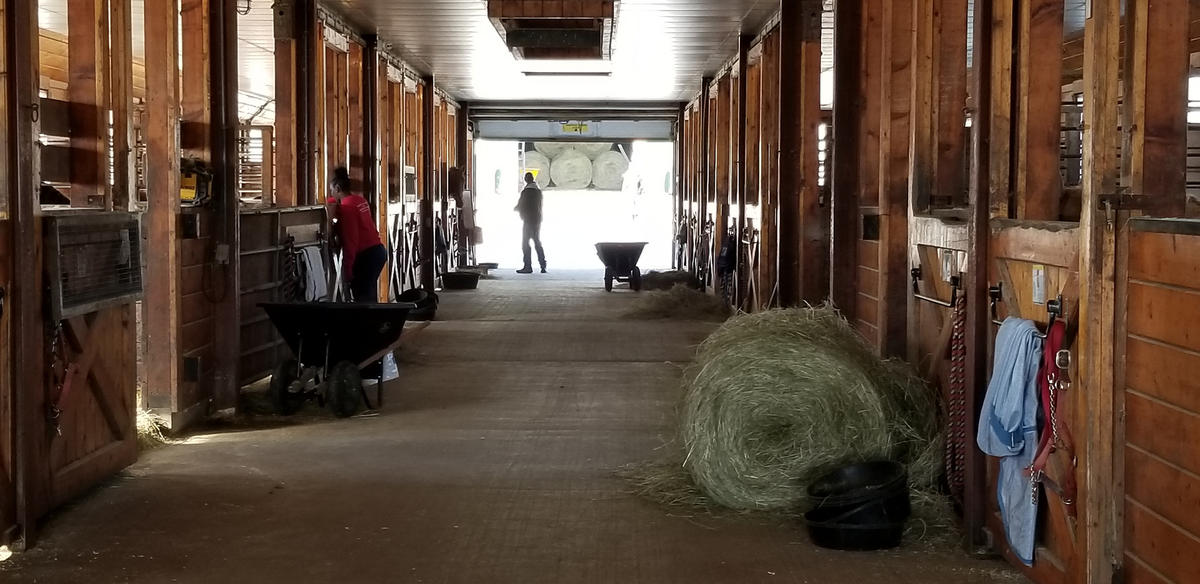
566	67
568	73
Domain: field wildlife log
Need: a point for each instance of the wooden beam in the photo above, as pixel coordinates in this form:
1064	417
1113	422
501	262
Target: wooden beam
979	322
428	191
288	126
195	133
742	170
371	120
1038	190
921	158
1001	108
225	128
124	186
803	216
1096	368
704	186
25	300
1157	82
162	317
895	124
847	119
87	35
355	123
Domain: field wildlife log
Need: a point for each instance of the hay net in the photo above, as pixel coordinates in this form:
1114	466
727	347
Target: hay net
777	398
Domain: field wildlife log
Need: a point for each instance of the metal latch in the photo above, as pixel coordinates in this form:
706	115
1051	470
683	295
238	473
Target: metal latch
1122	200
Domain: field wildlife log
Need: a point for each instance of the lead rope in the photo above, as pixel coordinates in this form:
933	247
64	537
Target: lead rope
956	436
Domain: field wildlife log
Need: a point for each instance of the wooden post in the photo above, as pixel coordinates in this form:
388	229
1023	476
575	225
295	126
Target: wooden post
25	300
803	216
429	192
1157	82
195	132
1039	182
121	81
978	316
354	124
463	155
225	127
704	180
950	70
895	118
87	36
922	151
1001	106
741	181
1101	63
288	125
369	77
162	318
872	84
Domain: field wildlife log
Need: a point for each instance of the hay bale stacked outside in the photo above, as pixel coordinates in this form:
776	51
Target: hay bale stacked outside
536	161
608	170
571	170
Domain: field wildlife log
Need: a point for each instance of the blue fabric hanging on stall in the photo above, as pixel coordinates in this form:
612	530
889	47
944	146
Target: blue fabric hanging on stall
1008	429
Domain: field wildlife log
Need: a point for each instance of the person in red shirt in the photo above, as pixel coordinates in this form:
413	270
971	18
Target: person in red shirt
363	256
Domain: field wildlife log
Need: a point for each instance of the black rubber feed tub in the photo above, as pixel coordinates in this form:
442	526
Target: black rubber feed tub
427	303
460	280
854	484
859	507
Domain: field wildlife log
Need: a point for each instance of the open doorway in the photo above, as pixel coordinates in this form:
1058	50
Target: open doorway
635	206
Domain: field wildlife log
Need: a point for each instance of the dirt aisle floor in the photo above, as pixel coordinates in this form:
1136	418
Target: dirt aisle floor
492	462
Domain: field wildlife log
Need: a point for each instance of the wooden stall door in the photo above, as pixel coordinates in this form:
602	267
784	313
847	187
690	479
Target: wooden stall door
1160	389
8	494
95	434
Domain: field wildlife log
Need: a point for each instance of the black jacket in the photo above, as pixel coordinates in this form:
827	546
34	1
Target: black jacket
530	204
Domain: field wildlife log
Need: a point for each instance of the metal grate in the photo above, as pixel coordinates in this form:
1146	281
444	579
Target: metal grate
95	260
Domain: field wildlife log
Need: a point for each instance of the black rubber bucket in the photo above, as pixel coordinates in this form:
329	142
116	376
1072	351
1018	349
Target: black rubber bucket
852	485
427	303
460	280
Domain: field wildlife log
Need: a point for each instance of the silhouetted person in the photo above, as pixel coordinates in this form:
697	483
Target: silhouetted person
363	256
530	208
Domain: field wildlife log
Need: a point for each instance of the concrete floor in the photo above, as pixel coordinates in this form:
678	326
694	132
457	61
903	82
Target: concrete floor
492	462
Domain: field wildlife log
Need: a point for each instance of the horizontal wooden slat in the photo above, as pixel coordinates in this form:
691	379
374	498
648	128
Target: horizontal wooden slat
1165	314
1161	545
192	280
1137	572
1165	257
868	309
1164	372
868	281
1164	489
196	335
194	308
1163	430
1055	244
56	164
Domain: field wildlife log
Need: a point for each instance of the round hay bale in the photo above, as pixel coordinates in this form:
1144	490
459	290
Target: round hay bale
608	171
536	161
571	170
777	398
552	150
594	149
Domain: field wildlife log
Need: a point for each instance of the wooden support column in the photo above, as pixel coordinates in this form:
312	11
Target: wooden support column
847	116
742	171
225	128
372	190
923	149
121	82
895	98
464	163
288	124
803	215
1038	180
704	180
978	234
1096	369
25	300
429	188
195	132
87	36
1157	82
1000	107
161	305
353	122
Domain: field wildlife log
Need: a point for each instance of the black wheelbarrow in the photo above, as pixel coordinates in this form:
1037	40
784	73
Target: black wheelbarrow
334	345
620	263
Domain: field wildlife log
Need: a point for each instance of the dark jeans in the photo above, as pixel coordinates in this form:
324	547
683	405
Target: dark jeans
533	230
367	267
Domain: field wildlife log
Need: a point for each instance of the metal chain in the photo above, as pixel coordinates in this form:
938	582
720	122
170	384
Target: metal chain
956	438
59	371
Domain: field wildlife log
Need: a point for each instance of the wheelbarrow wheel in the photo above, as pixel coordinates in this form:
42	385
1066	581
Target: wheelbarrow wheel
283	401
344	392
635	279
608	280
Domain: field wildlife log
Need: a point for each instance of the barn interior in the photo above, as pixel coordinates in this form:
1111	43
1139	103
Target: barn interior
940	172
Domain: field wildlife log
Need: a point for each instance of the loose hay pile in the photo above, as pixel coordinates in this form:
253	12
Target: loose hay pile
680	302
653	280
775	399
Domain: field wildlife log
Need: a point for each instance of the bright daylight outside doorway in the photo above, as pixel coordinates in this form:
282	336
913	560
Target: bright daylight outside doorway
636	207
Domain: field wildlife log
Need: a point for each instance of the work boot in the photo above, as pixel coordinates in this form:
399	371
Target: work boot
543	269
525	270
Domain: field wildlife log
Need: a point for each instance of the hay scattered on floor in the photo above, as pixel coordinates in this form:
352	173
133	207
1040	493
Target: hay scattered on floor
680	302
775	399
152	430
666	280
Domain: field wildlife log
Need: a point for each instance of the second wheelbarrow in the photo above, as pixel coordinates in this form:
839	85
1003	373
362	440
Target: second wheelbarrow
334	344
620	263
